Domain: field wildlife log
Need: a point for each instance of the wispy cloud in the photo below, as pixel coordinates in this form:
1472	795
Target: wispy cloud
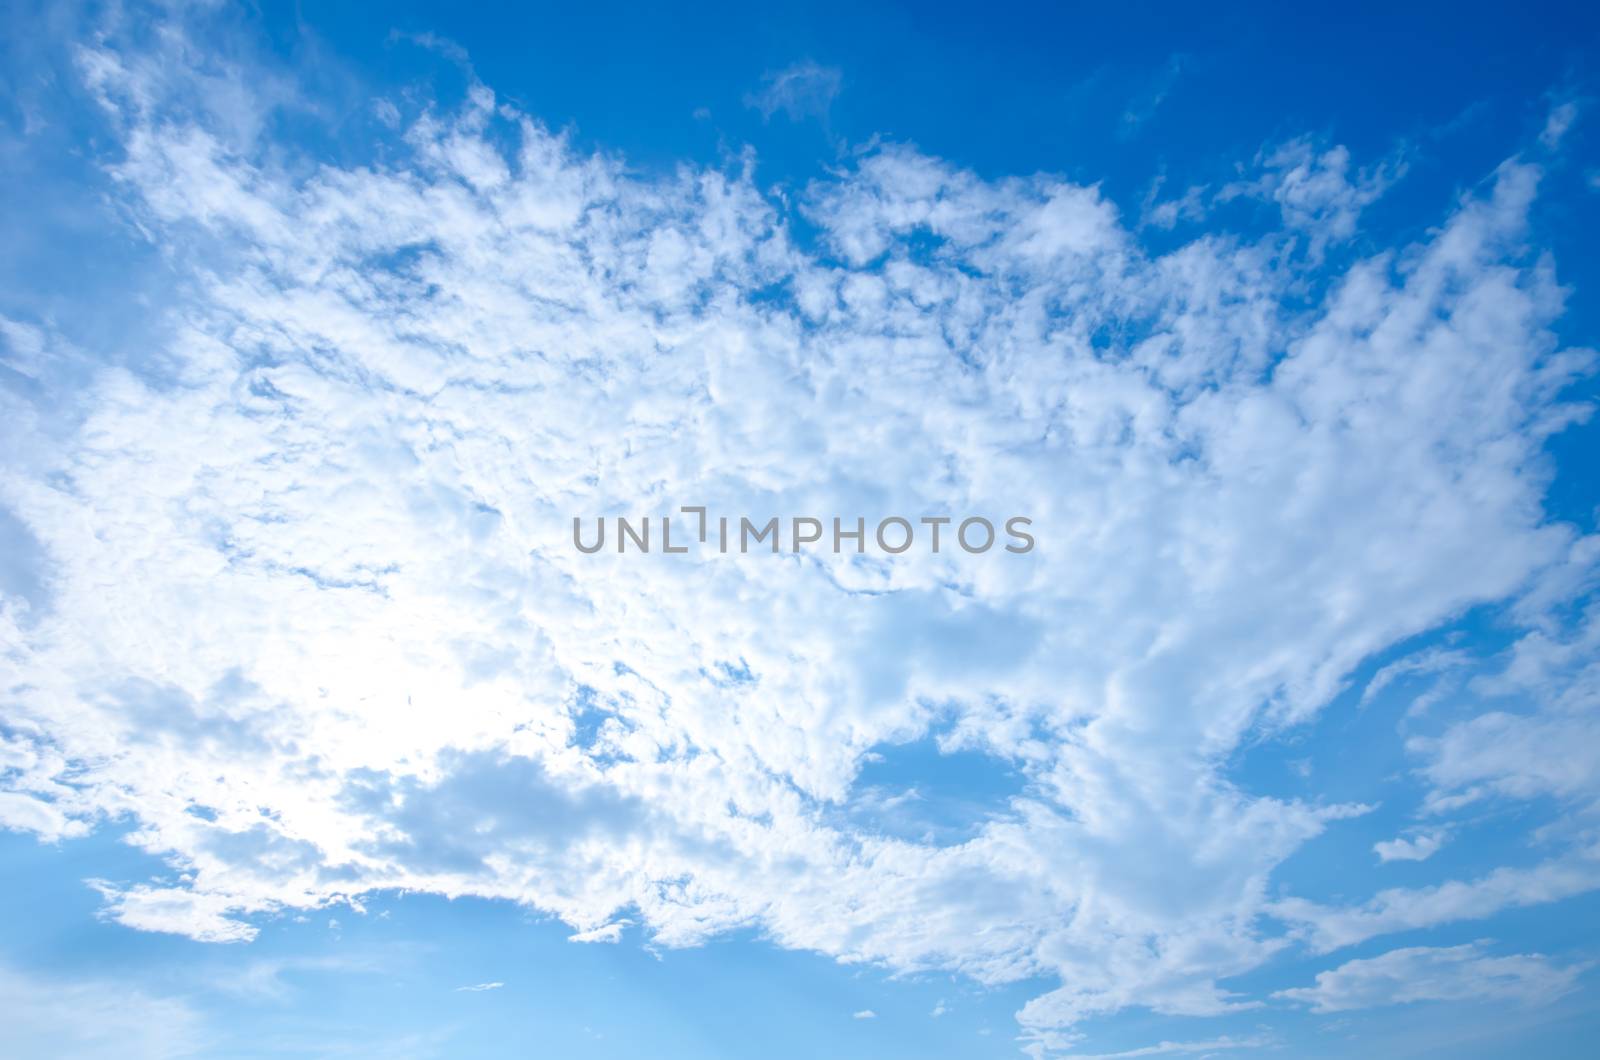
1561	118
95	1019
803	90
1316	190
1330	927
1454	973
1144	105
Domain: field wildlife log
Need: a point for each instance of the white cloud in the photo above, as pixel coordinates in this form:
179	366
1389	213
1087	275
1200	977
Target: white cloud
24	813
179	910
479	988
1328	928
803	90
1455	973
1546	742
611	932
1430	663
1190	206
1419	847
865	1014
1315	189
314	623
1557	123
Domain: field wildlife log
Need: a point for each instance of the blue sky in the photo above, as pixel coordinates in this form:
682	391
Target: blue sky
319	327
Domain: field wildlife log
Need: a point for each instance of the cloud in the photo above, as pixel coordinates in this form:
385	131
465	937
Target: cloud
803	90
1557	123
1167	1048
94	1019
24	813
1551	750
313	622
1190	206
178	910
1455	973
479	988
611	932
1328	928
265	978
1420	847
1424	664
1314	189
865	1014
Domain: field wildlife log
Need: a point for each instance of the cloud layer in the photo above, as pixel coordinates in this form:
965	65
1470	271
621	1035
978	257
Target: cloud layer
305	609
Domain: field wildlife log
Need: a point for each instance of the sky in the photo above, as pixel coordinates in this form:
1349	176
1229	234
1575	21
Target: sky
320	326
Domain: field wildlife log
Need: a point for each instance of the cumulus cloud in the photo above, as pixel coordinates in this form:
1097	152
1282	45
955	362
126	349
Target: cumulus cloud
310	616
865	1014
1455	973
